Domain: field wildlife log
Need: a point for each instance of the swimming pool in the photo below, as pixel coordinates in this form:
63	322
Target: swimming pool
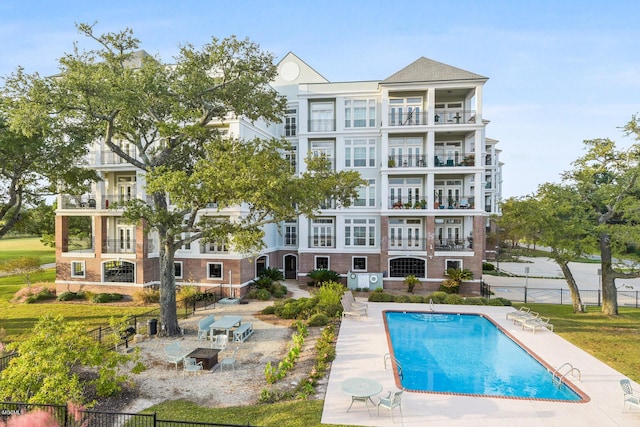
467	354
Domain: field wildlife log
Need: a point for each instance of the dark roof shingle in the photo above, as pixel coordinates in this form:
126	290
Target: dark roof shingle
427	70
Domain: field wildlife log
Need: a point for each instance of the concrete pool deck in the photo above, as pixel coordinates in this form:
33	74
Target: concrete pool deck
361	347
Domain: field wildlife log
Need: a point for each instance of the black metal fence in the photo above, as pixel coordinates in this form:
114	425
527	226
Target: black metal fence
66	417
557	295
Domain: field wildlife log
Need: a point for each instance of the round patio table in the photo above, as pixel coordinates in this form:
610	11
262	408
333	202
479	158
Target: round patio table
361	390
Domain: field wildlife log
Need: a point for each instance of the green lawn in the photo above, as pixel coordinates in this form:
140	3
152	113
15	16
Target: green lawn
28	246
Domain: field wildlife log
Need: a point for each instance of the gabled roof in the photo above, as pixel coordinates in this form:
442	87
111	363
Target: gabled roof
428	70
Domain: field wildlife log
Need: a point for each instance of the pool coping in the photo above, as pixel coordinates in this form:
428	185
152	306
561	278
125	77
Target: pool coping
584	398
362	344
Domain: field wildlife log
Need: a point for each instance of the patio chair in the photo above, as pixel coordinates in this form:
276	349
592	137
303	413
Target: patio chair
219	342
349	310
355	304
393	400
537	323
230	361
514	314
174	353
524	317
191	365
630	399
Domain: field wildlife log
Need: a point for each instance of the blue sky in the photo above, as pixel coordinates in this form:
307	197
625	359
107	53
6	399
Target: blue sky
559	71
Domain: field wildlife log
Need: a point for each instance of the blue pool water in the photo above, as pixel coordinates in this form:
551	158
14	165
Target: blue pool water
467	354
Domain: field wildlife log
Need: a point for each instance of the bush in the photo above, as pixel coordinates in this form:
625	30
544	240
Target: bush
321	276
42	294
70	296
402	298
269	310
453	299
487	266
381	297
437	297
416	299
187	296
500	301
272	273
263	283
318	319
410	282
147	296
263	295
104	298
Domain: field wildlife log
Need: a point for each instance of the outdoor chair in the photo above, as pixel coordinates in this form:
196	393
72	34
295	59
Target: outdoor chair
537	323
219	342
191	365
393	400
349	310
630	399
230	361
523	311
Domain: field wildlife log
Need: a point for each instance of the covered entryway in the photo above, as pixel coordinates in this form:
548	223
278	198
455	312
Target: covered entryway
261	264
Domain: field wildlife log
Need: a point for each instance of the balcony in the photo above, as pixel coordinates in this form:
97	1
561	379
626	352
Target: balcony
322	125
395	203
407	161
454	245
443	160
453	117
325	241
110	158
77	244
406	244
214	248
411	118
119	246
457	202
85	201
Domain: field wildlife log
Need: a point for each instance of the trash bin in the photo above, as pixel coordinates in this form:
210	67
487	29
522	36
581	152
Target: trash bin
152	326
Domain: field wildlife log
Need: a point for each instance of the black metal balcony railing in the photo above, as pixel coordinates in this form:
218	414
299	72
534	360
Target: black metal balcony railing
78	244
441	159
322	125
85	201
453	117
406	203
440	202
119	246
407	161
454	245
322	242
411	118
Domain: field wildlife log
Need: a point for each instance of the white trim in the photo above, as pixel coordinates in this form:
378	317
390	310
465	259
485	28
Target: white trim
84	270
221	271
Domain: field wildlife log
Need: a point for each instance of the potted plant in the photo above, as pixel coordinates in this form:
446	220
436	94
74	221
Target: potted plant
423	204
391	163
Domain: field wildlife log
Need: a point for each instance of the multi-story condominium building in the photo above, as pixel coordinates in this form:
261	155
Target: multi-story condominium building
417	138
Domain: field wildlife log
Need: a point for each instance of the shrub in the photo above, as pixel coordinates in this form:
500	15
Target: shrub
318	319
329	296
104	298
187	296
263	283
416	299
500	301
321	276
437	297
272	273
269	310
381	297
453	299
411	281
402	298
42	294
487	266
70	296
263	295
147	296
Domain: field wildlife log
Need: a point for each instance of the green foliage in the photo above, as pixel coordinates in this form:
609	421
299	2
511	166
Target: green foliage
318	319
146	296
272	374
70	296
263	295
454	299
106	297
455	277
381	297
272	273
328	296
187	296
438	297
487	266
24	266
42	295
322	275
410	282
51	359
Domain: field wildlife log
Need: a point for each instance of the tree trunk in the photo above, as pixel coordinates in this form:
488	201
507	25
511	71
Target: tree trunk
609	291
576	301
168	309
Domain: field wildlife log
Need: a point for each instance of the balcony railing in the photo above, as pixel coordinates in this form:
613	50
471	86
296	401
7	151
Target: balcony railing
459	202
408	244
78	244
119	246
411	118
441	159
322	242
86	201
322	125
407	161
214	248
453	117
407	204
110	158
454	245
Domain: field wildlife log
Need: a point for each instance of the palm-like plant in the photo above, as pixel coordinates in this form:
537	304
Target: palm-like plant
455	276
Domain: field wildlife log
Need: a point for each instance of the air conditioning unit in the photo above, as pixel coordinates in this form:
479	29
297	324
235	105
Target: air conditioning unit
364	280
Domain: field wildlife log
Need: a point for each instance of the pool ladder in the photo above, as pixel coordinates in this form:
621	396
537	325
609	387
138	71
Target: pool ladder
389	358
558	377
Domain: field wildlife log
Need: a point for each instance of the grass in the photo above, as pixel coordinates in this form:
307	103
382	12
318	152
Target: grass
26	246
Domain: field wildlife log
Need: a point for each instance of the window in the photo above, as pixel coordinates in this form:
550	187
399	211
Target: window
118	271
405	233
177	269
322	116
366	195
322	232
360	153
448	153
292	156
290	123
359	113
290	233
324	148
405	111
449	233
214	270
448	193
452	263
359	263
322	262
402	267
360	232
77	269
406	152
448	112
405	192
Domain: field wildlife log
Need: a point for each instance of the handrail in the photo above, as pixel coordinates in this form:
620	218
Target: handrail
389	357
559	379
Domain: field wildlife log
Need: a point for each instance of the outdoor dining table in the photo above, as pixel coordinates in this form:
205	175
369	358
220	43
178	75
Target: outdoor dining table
225	323
361	390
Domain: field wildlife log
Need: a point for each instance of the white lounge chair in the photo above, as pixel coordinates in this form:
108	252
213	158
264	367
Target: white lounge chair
191	365
537	323
349	310
230	361
393	400
355	304
513	314
524	317
631	399
219	342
